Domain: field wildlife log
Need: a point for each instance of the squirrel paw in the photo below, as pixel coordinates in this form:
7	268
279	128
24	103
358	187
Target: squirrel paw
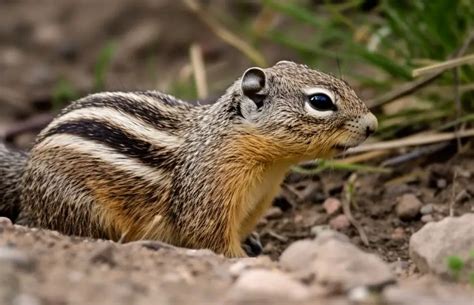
252	245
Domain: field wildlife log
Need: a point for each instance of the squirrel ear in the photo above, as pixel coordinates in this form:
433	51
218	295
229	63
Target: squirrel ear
253	82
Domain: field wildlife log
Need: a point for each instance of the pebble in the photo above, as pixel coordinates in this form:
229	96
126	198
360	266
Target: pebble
398	234
9	283
359	295
26	299
400	267
425	292
408	207
339	222
273	213
436	241
332	205
316	230
15	257
245	264
427	218
335	262
441	183
5	222
104	254
259	284
427	209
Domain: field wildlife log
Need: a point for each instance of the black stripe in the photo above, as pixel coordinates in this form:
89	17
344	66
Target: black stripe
117	139
139	109
167	99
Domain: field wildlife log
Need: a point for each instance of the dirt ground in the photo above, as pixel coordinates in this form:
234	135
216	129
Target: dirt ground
45	42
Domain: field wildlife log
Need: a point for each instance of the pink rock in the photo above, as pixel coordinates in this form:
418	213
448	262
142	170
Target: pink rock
339	222
332	205
398	234
5	222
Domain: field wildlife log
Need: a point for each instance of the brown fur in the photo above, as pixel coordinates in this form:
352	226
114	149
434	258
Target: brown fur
143	165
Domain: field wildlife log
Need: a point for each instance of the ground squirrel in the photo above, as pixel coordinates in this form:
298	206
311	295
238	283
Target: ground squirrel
145	165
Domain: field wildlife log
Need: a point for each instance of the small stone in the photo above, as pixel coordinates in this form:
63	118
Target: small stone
332	205
15	257
426	292
340	222
408	207
400	267
259	284
335	262
359	295
441	183
431	246
273	213
427	209
427	218
331	234
103	255
398	234
26	299
245	264
464	173
5	222
20	228
268	248
316	230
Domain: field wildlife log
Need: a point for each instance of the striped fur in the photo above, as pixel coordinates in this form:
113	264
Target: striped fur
144	165
12	163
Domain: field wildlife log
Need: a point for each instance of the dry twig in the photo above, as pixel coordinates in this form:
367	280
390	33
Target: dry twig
226	35
346	208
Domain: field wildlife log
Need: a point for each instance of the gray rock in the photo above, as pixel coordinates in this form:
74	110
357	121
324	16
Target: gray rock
260	285
9	284
427	209
436	241
5	222
427	292
334	261
408	207
427	218
16	258
244	264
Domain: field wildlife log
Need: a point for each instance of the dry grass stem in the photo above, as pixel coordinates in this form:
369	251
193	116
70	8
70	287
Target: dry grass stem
226	35
443	66
199	71
419	139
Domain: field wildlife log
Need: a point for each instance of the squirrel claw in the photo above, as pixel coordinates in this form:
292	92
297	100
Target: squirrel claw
252	245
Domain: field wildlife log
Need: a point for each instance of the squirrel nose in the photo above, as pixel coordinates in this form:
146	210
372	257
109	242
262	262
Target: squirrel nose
371	123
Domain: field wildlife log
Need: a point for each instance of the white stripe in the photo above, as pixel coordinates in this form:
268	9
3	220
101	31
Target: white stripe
103	153
126	122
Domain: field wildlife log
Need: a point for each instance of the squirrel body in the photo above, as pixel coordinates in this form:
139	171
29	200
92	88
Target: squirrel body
145	165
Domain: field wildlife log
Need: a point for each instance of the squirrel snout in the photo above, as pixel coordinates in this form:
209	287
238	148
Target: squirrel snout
370	122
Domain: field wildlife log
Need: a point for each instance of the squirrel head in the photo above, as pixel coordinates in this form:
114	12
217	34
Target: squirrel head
305	113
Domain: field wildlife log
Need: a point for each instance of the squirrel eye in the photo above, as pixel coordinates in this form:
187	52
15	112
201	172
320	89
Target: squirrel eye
322	102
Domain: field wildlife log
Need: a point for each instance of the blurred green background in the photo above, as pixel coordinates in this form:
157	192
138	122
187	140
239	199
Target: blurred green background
54	52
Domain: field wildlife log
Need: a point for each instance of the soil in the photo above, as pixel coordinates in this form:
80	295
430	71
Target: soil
44	42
